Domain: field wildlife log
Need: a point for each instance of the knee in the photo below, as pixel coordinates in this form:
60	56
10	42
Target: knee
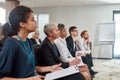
86	75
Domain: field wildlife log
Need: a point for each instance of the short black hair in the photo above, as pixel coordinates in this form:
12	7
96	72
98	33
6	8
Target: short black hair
61	26
17	15
72	28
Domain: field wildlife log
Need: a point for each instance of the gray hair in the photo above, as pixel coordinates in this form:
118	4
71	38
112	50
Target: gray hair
48	28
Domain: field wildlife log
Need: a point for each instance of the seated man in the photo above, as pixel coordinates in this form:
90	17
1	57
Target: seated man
48	54
84	44
65	55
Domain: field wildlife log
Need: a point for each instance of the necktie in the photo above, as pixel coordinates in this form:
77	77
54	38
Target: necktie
75	46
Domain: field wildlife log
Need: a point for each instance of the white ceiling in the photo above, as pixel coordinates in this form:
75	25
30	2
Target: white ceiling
54	3
58	3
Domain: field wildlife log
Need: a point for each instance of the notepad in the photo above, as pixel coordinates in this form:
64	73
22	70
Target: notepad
62	73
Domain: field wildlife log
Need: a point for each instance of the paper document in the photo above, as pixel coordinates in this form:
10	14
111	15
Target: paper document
81	62
83	52
62	73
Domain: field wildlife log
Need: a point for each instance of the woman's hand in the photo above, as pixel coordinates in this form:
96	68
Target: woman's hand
80	53
74	62
56	67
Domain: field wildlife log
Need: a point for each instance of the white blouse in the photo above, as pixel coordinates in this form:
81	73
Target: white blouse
65	55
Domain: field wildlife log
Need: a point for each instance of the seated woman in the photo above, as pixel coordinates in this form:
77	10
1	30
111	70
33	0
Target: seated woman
65	55
48	54
5	29
17	57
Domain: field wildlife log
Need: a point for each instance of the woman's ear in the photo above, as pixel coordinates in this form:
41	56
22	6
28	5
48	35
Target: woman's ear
50	33
22	24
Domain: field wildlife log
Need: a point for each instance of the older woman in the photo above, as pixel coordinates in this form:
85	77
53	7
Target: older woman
48	53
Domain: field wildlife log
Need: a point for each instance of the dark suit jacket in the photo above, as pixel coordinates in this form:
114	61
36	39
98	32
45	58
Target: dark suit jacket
46	55
34	42
70	45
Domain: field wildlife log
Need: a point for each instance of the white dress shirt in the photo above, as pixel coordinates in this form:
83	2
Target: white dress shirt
65	55
37	40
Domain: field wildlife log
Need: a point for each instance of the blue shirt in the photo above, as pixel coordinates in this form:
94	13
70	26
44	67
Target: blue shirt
14	62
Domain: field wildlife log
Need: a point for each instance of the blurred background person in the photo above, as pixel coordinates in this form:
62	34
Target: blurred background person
1	36
35	38
6	32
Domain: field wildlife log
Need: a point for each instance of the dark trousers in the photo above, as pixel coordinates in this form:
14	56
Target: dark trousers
89	58
86	61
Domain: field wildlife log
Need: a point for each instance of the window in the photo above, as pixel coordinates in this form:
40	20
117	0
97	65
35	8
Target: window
41	20
2	15
116	18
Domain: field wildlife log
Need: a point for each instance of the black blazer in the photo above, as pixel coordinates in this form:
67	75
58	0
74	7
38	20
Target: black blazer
70	45
46	55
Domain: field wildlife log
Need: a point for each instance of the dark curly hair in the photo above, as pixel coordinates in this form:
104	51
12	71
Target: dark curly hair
61	26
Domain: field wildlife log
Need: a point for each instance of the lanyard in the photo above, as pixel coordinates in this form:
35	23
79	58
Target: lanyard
28	50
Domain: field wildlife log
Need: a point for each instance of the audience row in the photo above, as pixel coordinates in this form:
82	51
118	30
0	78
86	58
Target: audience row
31	59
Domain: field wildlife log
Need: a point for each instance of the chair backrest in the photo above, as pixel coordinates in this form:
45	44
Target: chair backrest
36	48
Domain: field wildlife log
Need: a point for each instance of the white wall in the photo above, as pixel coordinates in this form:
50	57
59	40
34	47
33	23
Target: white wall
84	17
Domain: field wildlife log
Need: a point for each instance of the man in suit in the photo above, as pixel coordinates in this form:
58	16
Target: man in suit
71	44
48	53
